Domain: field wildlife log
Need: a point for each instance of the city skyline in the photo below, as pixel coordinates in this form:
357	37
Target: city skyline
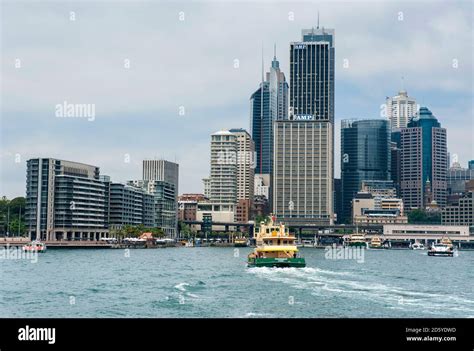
143	120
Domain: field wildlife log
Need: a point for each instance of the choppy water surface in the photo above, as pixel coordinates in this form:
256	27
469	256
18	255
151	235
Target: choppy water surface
212	282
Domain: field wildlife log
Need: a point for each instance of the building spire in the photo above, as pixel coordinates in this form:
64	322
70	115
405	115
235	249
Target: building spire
274	51
263	67
318	20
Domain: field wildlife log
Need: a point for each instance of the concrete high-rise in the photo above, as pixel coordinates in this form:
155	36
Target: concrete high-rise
245	174
424	160
302	173
232	171
365	155
130	205
161	178
400	109
162	170
223	177
304	144
165	205
65	201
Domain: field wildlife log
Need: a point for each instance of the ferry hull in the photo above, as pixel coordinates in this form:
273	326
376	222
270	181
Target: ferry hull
358	244
298	262
446	254
240	245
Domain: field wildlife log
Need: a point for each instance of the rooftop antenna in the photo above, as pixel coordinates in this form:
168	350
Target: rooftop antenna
263	67
402	82
318	20
274	51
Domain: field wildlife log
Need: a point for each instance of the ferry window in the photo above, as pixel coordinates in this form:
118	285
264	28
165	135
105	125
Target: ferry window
268	230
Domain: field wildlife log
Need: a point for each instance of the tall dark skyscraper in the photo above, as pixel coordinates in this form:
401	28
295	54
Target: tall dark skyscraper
365	155
312	75
304	152
267	104
424	160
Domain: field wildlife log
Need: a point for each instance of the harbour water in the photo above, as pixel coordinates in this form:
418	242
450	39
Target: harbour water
215	282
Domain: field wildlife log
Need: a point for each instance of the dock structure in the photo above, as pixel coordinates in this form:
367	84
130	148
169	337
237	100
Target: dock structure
52	244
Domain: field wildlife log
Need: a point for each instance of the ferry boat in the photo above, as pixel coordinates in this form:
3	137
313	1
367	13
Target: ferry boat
444	248
357	240
275	247
376	243
308	243
34	246
418	246
240	242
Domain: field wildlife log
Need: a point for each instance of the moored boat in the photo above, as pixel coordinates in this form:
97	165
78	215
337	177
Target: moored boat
240	242
444	248
357	239
418	246
34	246
376	243
275	247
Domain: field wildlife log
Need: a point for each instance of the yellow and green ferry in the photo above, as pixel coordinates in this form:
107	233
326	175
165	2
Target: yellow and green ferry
276	247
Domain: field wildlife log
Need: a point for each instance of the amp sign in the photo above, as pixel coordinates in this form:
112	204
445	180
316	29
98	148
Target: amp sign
300	46
303	117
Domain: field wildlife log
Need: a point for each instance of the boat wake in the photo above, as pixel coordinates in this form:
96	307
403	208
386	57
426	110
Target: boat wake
321	282
188	289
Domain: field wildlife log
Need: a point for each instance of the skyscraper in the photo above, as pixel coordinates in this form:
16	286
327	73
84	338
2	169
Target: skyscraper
223	178
163	170
365	155
232	171
161	178
302	174
304	144
245	174
267	104
423	159
312	75
400	109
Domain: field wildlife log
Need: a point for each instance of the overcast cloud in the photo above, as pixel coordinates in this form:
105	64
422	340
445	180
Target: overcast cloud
190	64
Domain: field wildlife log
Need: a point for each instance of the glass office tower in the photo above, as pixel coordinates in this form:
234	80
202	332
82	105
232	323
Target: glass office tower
365	155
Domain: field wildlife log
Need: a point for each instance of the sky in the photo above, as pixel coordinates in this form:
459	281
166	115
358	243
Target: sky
163	76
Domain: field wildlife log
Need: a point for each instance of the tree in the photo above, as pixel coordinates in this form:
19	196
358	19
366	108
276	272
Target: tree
12	212
419	216
184	229
260	218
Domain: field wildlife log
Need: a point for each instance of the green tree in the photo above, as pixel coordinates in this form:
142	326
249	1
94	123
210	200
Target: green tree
259	219
12	215
419	216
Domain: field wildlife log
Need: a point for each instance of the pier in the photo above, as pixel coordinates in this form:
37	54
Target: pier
57	244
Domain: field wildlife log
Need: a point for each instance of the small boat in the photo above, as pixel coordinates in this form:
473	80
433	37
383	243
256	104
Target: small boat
34	246
444	248
376	243
275	247
418	246
357	240
307	243
240	242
